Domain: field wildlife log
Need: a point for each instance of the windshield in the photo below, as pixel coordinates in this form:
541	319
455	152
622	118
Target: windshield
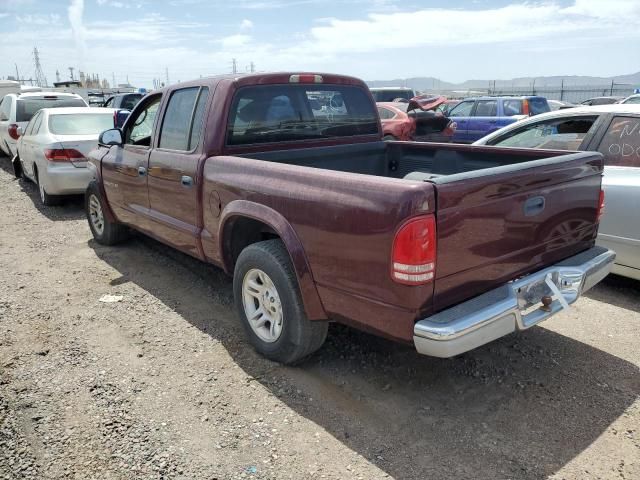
27	107
80	123
282	113
391	94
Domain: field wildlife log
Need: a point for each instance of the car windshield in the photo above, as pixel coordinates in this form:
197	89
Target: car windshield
80	123
282	113
633	100
391	94
27	107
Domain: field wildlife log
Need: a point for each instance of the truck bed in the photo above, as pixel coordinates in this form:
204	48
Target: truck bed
501	213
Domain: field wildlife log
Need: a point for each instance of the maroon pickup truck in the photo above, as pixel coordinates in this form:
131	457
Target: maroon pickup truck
283	180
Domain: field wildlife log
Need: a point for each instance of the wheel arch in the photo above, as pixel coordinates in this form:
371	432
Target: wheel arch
243	223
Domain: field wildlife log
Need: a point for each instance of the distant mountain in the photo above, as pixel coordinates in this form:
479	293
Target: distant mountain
431	83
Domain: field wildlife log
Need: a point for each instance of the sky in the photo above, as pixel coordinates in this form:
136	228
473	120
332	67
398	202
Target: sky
453	40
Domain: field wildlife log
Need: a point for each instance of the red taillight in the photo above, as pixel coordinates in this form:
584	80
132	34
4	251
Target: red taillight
600	206
305	79
62	154
525	107
413	258
12	130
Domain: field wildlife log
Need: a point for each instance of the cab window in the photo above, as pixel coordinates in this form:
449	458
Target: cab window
621	144
140	127
183	119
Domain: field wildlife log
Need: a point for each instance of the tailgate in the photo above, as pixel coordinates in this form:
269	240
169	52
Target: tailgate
497	224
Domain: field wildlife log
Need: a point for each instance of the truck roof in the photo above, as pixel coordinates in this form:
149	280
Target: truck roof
267	79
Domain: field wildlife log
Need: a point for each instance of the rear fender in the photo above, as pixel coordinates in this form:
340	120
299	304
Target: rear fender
243	208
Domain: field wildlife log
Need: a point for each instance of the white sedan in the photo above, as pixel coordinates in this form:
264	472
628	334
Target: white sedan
614	131
53	147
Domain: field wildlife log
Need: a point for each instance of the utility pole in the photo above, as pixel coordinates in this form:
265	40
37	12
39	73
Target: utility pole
41	80
113	76
234	65
166	71
57	76
71	69
252	67
17	74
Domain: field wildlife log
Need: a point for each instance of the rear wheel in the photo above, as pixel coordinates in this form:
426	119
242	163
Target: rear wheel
45	198
268	301
104	231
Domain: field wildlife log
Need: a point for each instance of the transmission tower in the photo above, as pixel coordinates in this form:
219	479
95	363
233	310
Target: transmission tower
41	80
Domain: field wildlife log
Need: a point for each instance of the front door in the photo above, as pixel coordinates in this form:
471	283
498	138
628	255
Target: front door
124	169
174	180
461	114
483	119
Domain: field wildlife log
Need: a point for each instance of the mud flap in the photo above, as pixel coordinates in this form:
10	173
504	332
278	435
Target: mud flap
17	166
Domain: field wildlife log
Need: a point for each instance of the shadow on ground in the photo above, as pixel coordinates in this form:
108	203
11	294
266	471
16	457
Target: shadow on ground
521	407
71	208
619	291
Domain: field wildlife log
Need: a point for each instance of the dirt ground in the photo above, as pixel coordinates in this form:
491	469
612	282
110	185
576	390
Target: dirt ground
163	385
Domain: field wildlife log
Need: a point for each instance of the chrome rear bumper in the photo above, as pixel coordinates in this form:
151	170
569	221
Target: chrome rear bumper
516	305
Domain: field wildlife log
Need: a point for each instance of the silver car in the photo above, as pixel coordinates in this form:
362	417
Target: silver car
614	131
53	147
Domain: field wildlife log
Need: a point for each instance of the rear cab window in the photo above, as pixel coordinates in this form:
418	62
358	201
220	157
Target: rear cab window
621	143
27	107
286	113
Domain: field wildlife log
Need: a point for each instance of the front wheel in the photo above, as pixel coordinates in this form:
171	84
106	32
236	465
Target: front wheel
269	304
104	231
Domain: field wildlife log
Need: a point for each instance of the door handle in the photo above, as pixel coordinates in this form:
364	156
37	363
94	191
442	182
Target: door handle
186	180
142	171
534	206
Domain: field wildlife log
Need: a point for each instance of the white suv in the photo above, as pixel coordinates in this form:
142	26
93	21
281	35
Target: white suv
17	109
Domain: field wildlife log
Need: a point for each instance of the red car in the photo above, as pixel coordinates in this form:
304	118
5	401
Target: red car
416	120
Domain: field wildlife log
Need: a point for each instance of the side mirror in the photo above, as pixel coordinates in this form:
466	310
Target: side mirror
120	116
110	137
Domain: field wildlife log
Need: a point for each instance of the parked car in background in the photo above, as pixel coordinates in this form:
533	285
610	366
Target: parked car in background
123	100
446	106
391	94
631	99
17	109
559	104
444	246
601	101
53	149
478	116
406	121
614	131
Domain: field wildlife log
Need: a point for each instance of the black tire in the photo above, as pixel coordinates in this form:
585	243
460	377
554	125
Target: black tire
299	337
17	166
45	198
111	233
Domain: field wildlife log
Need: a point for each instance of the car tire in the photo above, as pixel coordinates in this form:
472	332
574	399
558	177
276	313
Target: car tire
104	231
17	167
264	279
45	198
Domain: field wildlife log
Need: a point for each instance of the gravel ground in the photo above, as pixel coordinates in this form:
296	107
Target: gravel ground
162	385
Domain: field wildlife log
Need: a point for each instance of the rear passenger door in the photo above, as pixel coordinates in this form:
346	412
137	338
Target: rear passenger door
483	119
174	180
461	114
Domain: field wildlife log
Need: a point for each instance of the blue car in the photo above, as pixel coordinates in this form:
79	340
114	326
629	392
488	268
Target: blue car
480	116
